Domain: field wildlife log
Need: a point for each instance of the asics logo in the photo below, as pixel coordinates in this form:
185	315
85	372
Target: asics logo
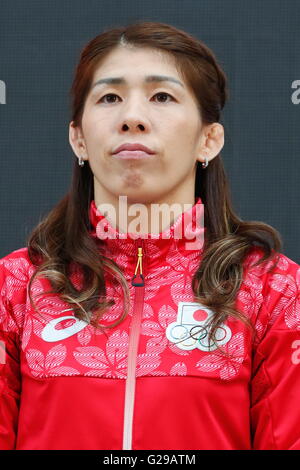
51	334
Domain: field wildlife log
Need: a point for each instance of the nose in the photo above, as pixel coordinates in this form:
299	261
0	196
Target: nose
134	116
132	126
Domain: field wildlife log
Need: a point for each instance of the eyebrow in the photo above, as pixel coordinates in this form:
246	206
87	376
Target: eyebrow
147	79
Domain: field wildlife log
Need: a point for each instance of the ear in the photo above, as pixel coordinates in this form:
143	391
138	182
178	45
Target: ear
211	142
76	140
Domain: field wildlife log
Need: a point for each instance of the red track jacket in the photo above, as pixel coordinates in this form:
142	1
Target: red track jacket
148	383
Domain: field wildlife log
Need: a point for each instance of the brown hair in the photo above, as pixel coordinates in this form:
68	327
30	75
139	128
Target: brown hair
61	241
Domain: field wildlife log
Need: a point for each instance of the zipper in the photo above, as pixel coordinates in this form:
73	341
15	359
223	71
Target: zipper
138	281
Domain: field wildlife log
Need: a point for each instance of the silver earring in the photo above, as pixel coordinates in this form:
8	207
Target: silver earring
81	161
204	165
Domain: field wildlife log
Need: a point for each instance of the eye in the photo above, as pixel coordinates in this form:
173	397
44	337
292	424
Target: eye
113	94
163	93
109	94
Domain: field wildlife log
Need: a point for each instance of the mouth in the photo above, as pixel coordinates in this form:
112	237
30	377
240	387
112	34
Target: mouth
133	155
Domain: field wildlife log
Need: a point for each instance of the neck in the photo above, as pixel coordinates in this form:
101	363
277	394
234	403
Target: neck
155	216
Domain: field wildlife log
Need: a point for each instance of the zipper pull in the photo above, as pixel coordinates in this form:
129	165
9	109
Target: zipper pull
139	282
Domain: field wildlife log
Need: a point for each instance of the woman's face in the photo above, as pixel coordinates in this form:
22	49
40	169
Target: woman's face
161	115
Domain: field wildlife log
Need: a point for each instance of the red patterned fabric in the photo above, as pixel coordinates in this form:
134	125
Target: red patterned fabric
153	381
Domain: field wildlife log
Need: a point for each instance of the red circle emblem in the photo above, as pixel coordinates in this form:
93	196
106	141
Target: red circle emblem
200	315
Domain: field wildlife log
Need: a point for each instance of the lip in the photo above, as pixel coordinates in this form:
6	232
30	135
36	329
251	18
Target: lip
132	147
133	155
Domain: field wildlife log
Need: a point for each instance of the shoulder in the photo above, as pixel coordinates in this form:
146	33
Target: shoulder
16	265
273	288
15	272
278	265
280	268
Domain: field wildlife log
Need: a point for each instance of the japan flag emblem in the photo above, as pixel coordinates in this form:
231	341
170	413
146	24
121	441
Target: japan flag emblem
190	331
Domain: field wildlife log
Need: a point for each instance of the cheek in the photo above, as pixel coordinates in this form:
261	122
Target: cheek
181	134
94	127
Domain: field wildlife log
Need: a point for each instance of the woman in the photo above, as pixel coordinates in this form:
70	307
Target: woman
125	338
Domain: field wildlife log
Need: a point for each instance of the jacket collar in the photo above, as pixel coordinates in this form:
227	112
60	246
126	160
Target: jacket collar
185	235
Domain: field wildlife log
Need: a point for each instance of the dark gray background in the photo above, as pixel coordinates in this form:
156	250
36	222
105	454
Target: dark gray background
258	45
